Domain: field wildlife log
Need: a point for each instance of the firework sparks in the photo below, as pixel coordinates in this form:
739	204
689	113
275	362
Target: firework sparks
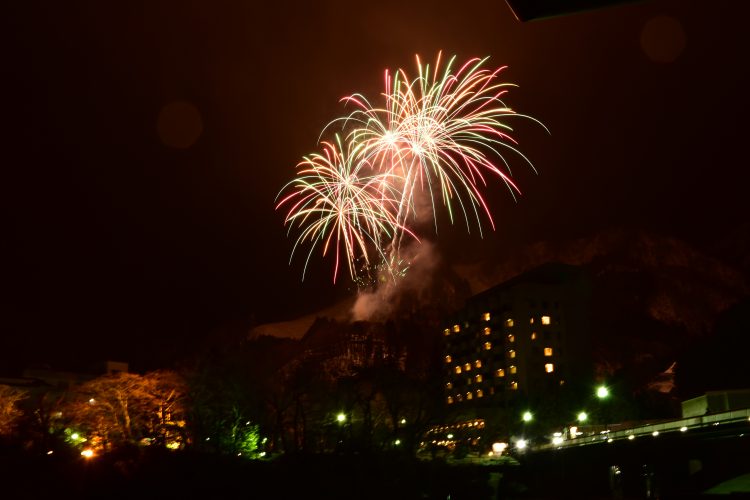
442	132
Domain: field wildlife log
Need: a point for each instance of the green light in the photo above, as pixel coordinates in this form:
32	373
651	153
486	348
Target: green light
602	392
582	417
341	418
527	416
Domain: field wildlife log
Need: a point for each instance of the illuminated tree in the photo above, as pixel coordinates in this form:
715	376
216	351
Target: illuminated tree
9	411
127	408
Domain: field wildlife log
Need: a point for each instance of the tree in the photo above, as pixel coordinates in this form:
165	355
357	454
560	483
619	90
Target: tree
717	361
126	409
9	411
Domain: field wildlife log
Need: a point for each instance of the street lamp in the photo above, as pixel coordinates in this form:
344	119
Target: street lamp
527	416
603	393
582	417
341	418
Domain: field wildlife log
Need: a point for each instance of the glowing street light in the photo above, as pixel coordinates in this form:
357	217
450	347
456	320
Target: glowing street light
527	416
341	418
521	444
602	392
582	417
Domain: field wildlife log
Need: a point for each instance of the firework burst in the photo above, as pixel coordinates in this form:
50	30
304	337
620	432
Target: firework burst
444	132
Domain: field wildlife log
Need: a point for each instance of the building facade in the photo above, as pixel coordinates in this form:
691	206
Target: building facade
528	336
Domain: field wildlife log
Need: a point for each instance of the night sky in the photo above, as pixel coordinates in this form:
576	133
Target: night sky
145	143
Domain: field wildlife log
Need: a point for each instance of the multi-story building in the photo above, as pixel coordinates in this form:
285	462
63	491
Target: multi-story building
527	336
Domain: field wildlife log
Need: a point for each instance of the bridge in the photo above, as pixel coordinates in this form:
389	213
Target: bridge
681	458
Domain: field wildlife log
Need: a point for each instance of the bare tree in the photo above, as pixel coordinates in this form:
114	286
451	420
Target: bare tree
126	408
9	411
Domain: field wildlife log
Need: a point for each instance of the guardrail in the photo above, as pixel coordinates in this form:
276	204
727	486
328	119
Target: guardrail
653	429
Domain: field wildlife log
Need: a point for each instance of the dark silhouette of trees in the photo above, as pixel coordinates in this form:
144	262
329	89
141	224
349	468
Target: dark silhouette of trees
718	361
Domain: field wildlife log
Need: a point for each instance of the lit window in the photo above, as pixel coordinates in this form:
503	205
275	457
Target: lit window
513	369
533	335
477	378
509	322
457	369
486	316
487	330
549	367
478	363
479	393
456	328
469	395
487	346
548	351
450	400
448	358
467	367
511	338
499	372
447	332
511	353
531	321
459	397
514	385
449	386
546	320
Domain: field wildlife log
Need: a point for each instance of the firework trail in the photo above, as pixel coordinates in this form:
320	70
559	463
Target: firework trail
443	133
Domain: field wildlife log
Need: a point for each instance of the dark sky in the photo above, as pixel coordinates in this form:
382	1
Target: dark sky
146	143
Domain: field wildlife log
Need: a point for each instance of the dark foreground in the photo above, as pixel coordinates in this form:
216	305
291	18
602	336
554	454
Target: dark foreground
166	475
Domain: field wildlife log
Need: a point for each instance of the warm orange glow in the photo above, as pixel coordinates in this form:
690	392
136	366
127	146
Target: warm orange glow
467	367
499	372
478	363
87	453
509	322
513	369
448	358
487	330
457	369
486	316
546	320
456	328
533	335
514	385
549	367
487	346
478	378
548	351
